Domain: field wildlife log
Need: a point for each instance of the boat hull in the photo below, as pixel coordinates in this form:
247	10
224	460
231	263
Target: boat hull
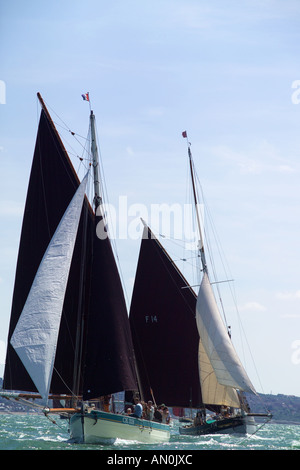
232	425
99	427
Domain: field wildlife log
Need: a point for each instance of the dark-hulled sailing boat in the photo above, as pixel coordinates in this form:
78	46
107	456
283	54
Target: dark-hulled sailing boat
183	344
69	334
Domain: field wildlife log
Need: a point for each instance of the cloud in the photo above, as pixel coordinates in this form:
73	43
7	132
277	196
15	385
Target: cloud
285	169
288	295
253	306
290	315
266	160
155	111
129	151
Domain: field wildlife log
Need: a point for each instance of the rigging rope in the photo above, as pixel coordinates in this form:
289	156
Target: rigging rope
52	420
251	435
227	273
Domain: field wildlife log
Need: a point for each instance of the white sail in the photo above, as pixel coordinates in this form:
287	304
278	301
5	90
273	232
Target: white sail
212	391
216	342
36	333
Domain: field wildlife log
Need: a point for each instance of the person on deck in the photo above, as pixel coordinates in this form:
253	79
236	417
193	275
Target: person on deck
149	413
165	415
138	409
198	420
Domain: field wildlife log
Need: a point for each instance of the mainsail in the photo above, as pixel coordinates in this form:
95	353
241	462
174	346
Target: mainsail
35	336
162	319
110	359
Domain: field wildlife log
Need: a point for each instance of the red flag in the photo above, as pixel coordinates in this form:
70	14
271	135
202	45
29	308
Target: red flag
184	134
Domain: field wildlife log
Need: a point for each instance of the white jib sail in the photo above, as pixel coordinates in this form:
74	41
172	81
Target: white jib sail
36	333
216	342
212	391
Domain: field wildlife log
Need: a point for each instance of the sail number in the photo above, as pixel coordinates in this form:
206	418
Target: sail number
127	420
151	319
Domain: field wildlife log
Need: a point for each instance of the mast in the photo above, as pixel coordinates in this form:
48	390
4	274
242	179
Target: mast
219	364
201	243
108	350
94	149
80	318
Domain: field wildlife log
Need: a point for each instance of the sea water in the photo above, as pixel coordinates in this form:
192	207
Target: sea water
36	432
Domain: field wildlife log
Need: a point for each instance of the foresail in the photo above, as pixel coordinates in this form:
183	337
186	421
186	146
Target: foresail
52	185
212	391
216	342
35	336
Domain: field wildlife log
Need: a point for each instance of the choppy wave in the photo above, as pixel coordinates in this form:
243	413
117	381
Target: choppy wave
29	431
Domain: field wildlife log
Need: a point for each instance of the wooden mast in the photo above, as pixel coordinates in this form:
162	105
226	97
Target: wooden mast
94	149
201	242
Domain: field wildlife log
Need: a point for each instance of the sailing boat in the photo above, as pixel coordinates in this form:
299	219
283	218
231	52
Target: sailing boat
194	364
69	335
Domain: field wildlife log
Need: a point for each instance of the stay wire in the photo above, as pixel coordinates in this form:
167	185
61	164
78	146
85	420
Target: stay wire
258	429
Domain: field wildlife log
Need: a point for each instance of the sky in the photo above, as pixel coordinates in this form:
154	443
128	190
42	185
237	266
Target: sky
227	73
